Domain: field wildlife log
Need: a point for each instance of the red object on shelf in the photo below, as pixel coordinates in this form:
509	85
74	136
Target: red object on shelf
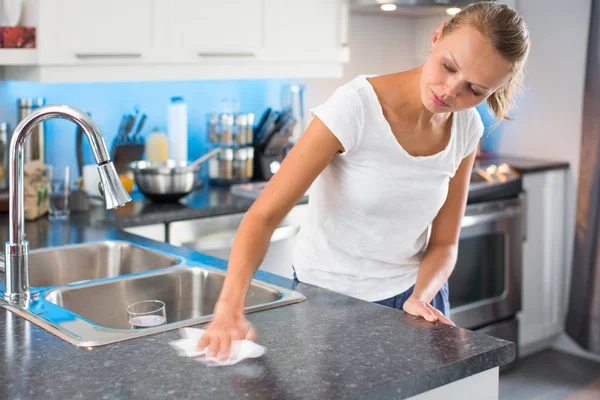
17	37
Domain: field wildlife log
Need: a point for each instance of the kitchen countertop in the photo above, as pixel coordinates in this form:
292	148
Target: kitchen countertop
328	347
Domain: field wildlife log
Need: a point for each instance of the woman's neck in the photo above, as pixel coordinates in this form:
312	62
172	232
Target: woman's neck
400	94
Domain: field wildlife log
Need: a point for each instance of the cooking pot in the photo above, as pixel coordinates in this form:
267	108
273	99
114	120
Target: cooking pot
169	180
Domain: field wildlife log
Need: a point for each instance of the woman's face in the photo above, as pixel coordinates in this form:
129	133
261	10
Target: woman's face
463	70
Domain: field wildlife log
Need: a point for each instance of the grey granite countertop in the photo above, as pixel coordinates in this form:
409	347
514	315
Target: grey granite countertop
328	347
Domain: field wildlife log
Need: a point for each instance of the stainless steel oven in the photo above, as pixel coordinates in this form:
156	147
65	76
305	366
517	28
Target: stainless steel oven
485	286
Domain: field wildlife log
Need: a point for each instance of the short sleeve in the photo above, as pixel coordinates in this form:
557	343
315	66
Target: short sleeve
476	129
342	113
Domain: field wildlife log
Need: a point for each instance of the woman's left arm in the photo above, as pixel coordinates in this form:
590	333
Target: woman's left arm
440	257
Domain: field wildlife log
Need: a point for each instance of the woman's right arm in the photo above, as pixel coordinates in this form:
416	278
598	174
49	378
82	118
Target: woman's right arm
307	159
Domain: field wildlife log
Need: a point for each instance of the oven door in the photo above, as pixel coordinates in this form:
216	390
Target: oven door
485	286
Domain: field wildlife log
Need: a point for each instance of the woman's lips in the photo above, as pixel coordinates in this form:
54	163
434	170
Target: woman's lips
437	100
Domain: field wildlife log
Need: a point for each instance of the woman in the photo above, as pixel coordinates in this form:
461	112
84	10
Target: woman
390	158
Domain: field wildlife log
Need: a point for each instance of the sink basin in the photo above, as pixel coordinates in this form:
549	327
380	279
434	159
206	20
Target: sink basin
82	291
188	293
89	261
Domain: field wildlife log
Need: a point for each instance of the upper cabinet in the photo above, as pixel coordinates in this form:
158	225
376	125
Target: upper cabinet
91	40
196	30
76	31
307	30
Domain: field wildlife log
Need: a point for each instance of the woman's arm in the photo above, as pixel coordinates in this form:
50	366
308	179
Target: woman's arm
440	257
313	152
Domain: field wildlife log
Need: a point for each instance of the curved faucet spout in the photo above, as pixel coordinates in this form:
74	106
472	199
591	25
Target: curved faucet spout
17	271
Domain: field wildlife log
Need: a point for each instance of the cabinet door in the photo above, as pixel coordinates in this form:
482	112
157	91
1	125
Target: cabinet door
214	236
91	31
204	30
307	30
544	259
156	232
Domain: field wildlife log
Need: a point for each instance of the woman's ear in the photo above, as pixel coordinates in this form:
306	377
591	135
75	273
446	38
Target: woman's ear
437	34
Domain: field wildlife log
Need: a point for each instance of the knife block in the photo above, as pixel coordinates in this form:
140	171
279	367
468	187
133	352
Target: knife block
267	162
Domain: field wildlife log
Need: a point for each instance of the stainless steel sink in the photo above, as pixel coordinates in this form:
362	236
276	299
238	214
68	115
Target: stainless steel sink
90	261
188	292
81	292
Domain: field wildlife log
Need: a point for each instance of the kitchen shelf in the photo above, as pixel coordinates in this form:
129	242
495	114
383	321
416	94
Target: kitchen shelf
18	57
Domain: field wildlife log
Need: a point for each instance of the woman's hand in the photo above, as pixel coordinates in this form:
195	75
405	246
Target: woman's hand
229	324
427	311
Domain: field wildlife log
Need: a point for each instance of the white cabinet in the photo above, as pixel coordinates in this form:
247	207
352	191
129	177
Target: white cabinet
156	232
214	236
205	30
308	30
545	260
84	31
114	40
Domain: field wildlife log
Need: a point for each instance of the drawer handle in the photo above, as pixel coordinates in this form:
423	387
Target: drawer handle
240	54
89	56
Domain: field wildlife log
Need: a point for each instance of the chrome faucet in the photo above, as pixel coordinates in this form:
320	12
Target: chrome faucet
17	248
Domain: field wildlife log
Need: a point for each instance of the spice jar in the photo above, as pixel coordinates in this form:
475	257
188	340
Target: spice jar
250	129
239	133
212	128
249	163
239	165
226	164
226	129
213	168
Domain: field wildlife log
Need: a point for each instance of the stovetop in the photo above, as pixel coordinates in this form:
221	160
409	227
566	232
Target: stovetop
488	182
491	182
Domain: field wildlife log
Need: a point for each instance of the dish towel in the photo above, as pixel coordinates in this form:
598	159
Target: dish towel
240	349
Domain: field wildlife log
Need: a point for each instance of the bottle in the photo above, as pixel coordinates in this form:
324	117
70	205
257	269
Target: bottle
177	129
24	107
157	146
38	135
3	155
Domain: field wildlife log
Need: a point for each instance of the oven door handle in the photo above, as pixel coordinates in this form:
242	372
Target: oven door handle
490	216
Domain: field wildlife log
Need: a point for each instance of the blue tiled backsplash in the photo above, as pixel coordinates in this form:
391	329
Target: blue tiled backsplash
107	102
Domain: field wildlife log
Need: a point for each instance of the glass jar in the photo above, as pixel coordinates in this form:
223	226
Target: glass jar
239	133
226	129
226	164
239	165
212	128
250	129
249	163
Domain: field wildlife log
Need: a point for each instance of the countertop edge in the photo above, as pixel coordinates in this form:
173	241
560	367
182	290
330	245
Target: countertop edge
448	374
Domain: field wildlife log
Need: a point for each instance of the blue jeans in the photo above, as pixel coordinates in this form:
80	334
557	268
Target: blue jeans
440	301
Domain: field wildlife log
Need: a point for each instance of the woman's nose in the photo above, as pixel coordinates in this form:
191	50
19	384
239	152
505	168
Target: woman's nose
453	87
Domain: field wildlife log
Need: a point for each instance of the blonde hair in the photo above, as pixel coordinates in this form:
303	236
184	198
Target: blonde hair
507	32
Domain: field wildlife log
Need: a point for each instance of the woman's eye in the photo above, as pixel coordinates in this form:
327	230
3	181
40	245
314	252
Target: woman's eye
475	92
448	68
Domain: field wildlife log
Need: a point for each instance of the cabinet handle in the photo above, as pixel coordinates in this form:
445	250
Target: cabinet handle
88	56
240	54
523	197
490	216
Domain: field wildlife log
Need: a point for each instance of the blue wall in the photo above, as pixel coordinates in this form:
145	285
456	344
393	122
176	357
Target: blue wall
107	102
491	136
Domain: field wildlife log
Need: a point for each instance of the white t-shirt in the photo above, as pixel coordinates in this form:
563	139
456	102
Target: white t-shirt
370	210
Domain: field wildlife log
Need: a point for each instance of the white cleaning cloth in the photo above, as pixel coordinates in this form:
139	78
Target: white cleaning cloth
240	349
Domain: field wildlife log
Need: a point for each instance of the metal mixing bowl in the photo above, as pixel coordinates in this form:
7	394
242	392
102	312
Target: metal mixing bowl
169	180
166	181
